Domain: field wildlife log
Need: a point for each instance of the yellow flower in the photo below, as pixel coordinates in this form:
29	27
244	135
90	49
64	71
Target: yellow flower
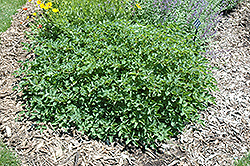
138	6
55	10
28	17
38	2
30	0
46	7
42	6
34	14
49	4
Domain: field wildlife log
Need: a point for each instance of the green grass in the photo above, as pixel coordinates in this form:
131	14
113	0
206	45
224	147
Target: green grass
7	158
244	161
7	9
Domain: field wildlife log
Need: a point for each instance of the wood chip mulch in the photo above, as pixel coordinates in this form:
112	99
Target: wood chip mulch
224	138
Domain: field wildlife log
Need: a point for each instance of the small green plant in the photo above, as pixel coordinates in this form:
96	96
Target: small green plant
7	158
244	161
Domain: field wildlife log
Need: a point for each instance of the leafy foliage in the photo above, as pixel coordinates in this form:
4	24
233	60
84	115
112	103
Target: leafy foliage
141	83
230	4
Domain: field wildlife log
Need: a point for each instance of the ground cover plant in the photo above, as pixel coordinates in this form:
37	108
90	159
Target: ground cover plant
139	82
113	74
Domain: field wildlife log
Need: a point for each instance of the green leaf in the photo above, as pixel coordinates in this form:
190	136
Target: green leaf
127	141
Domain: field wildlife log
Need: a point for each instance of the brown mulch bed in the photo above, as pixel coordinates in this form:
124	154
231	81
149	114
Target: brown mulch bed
225	136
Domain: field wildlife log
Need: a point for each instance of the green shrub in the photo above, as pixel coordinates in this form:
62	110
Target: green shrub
141	83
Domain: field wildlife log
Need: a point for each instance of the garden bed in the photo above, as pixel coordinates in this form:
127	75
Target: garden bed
225	136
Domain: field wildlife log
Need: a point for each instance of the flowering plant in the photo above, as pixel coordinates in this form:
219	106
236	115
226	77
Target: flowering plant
46	14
